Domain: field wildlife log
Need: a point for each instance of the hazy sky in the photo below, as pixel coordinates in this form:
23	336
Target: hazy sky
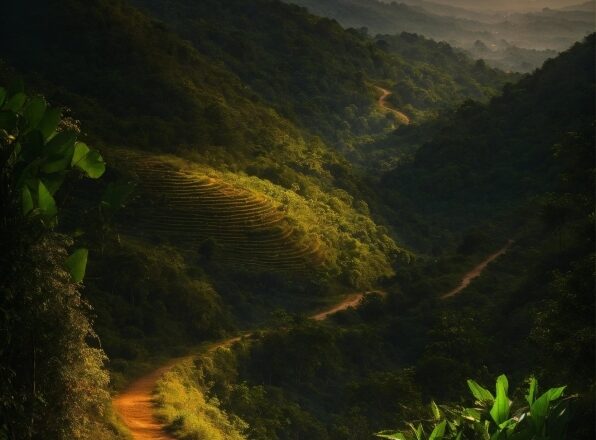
510	4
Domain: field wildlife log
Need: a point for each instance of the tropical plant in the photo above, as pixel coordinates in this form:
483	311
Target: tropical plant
37	155
495	417
53	383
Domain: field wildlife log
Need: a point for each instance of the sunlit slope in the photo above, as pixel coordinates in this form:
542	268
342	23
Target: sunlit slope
206	214
246	222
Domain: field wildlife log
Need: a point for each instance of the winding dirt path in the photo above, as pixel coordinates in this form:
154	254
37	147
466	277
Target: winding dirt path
477	271
135	404
404	119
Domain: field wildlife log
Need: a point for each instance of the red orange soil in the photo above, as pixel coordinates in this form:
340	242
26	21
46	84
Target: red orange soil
477	271
404	119
135	405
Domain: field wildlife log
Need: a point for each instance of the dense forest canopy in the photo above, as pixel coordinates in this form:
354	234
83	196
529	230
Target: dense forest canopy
267	237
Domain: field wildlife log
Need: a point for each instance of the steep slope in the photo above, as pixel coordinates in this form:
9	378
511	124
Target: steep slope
132	82
308	68
493	158
460	76
220	255
224	222
530	305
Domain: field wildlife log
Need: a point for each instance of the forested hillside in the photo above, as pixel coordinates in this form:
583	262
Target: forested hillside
312	70
490	159
518	42
530	314
194	193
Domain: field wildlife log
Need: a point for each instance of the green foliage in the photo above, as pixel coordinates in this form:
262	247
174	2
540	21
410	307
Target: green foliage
436	76
189	412
77	263
544	418
38	156
53	383
489	160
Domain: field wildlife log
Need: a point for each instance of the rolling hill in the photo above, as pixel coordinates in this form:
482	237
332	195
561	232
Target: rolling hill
519	42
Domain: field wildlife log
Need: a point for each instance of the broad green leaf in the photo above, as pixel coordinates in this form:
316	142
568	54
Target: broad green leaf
2	96
503	379
435	409
500	409
419	431
481	394
531	396
81	150
46	203
15	103
92	164
56	165
77	264
555	393
61	143
439	431
49	122
416	430
34	111
539	410
27	200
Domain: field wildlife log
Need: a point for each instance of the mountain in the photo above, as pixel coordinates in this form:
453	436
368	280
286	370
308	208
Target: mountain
242	218
526	33
204	151
507	5
243	204
495	157
588	6
313	71
531	307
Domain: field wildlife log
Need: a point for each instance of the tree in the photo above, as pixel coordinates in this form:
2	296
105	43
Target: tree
52	381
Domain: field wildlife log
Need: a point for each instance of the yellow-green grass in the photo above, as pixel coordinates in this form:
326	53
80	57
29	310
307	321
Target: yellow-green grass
188	412
251	222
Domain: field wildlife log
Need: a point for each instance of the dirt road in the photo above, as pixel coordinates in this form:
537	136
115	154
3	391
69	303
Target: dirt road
135	404
477	271
384	104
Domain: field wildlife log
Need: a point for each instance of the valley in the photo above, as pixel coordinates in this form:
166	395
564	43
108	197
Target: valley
289	220
136	405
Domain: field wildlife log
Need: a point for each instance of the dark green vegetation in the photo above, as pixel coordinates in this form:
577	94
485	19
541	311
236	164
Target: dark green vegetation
489	159
267	180
52	378
310	69
519	42
542	415
190	85
531	313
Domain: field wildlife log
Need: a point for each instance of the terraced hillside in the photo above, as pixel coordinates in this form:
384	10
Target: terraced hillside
219	220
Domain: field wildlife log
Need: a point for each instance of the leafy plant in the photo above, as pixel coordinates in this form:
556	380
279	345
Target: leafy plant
495	417
36	157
